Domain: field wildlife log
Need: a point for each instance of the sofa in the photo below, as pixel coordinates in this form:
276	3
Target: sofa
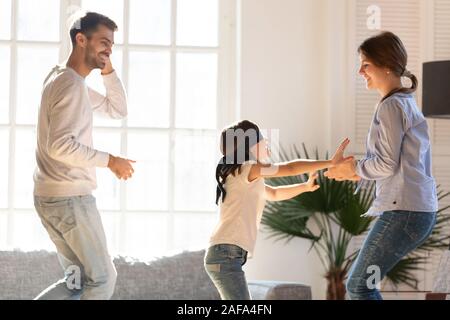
23	275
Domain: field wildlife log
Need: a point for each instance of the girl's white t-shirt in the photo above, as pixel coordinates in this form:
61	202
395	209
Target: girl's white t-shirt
241	212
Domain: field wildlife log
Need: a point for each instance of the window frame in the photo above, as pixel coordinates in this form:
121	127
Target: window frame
226	103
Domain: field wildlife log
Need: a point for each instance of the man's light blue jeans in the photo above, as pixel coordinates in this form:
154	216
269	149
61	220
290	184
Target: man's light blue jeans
223	263
75	227
393	236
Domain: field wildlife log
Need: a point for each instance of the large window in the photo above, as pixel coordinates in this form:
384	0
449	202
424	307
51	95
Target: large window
173	57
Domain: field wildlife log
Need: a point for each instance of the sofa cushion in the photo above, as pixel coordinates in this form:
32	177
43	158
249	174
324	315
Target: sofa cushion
180	277
23	275
277	290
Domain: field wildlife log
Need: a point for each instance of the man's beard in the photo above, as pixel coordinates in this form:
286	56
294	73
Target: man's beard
92	61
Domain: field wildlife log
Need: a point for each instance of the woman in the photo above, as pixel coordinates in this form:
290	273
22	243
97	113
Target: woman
398	159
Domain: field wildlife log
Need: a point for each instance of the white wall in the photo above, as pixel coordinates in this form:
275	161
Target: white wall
284	85
282	66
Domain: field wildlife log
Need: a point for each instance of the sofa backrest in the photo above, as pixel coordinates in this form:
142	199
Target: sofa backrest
23	275
180	277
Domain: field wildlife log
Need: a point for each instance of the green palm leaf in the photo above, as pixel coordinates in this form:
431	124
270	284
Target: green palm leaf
404	271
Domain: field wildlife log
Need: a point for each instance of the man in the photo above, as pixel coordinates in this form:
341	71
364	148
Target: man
66	161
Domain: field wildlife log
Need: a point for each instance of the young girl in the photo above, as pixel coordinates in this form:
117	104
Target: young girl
242	194
399	160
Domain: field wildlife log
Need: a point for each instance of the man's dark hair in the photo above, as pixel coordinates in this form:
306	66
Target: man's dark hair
89	23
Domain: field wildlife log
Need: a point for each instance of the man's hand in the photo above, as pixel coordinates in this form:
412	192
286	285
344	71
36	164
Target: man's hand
108	67
121	167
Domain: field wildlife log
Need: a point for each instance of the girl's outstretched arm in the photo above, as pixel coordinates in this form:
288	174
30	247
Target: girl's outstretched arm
296	167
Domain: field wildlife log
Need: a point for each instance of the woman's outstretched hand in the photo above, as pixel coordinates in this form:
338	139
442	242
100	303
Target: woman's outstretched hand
343	172
338	157
344	168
